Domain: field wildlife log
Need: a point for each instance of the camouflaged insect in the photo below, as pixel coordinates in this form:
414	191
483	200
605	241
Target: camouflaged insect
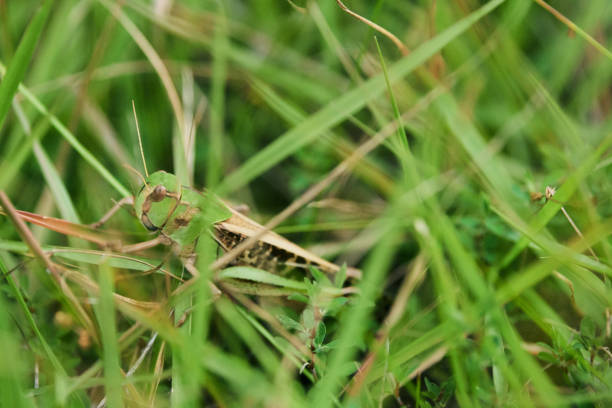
183	214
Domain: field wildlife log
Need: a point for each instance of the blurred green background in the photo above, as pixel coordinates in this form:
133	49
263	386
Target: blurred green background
477	291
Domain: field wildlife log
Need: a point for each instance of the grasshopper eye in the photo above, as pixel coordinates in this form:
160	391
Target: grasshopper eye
158	194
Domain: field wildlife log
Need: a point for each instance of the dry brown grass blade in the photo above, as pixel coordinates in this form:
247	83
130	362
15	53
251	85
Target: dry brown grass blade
398	43
549	193
339	170
60	274
412	279
46	261
296	7
437	355
157	373
343	167
68	228
575	28
91	286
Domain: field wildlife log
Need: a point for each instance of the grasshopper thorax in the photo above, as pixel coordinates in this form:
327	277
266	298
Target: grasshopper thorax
157	200
180	213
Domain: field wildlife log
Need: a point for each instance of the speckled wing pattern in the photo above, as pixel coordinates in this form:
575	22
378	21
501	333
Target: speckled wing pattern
272	252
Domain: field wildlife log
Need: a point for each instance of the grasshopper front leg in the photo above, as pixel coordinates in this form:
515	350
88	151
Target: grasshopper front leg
112	211
141	246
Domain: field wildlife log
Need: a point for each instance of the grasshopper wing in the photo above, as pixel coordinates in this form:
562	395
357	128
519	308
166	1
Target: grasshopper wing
272	250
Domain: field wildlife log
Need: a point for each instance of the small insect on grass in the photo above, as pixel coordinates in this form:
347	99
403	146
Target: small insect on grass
548	194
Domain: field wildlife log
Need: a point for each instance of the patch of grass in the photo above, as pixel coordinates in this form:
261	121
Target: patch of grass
424	165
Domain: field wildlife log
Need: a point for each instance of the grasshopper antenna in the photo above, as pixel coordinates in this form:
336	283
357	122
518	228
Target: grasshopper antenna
144	163
133	170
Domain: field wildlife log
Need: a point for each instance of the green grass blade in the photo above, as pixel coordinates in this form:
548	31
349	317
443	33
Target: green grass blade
257	275
19	64
56	186
60	194
598	46
71	138
400	140
446	332
9	168
106	318
352	328
563	194
12	373
490	170
220	46
285	349
249	336
340	108
365	168
26	310
472	294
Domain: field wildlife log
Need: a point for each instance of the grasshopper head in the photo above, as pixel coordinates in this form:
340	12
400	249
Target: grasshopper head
157	199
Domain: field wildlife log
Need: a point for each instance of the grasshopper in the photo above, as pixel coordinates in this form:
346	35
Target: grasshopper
180	215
